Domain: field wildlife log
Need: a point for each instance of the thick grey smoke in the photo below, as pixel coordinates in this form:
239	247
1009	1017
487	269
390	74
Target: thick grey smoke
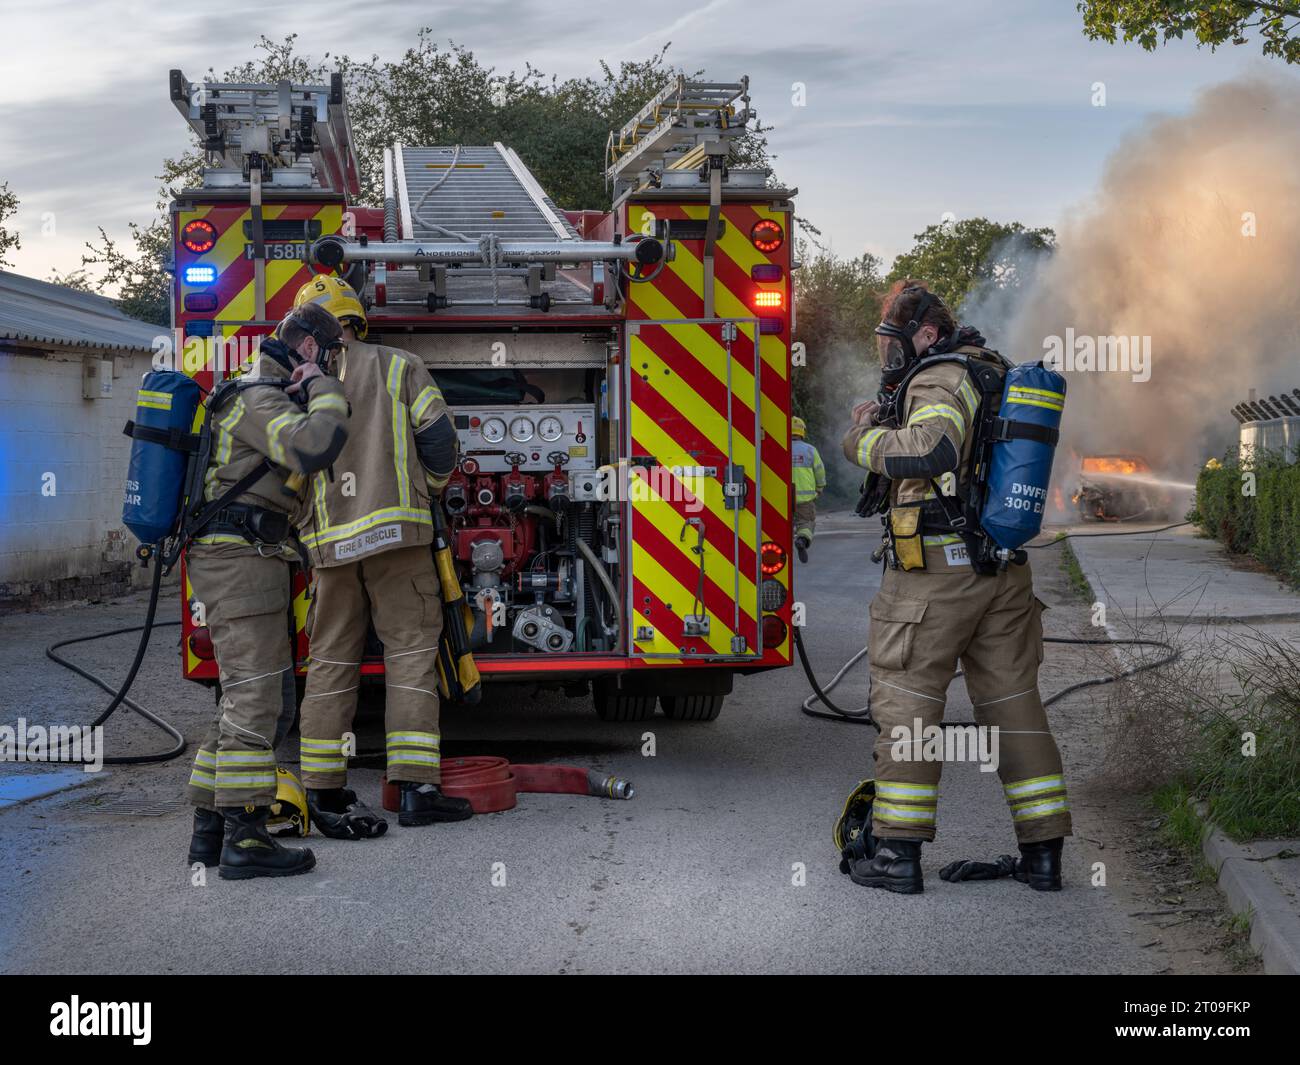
1192	241
848	374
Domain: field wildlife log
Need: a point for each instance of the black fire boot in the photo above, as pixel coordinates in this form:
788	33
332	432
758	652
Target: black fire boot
801	544
896	866
425	804
339	814
1039	864
250	851
205	843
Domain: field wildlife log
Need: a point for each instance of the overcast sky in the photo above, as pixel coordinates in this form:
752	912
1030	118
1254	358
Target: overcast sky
997	94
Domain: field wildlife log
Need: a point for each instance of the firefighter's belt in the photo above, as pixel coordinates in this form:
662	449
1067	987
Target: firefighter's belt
257	525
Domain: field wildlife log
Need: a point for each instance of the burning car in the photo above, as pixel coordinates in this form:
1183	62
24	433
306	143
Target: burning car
1119	488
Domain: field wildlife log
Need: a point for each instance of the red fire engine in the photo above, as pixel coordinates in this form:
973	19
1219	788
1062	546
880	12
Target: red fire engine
620	380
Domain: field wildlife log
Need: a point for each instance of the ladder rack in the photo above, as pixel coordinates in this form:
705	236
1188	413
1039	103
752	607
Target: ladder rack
681	118
296	136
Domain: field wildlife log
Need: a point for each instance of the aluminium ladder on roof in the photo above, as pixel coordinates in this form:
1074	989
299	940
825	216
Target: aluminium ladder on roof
283	122
467	192
680	117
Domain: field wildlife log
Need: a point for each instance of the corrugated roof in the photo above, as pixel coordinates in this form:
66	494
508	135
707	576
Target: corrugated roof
38	312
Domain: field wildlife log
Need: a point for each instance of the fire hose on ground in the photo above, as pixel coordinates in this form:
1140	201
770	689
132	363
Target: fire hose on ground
490	784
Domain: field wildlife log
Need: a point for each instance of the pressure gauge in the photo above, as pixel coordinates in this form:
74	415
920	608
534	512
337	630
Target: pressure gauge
521	429
494	430
550	429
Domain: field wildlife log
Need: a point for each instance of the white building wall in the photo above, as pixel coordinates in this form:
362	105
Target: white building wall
63	461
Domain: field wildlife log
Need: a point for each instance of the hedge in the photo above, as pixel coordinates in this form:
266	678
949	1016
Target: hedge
1265	525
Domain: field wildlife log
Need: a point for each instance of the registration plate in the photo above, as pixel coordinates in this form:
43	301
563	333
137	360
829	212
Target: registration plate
281	249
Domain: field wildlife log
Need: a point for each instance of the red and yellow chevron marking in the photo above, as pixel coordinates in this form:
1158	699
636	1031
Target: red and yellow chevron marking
193	663
235	287
672	422
677	372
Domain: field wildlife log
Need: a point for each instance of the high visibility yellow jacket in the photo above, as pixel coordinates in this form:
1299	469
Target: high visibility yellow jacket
809	471
263	421
377	494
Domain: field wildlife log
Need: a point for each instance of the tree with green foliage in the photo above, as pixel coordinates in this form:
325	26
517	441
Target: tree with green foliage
77	279
1155	22
8	205
955	258
837	304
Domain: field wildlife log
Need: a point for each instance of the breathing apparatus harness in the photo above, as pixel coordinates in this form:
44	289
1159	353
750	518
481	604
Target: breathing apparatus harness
959	514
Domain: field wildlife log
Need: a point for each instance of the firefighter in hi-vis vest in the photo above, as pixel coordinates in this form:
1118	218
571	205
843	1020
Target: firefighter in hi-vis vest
934	610
809	481
238	568
369	537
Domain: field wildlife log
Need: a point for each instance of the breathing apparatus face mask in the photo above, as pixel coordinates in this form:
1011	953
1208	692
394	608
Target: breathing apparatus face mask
328	342
894	343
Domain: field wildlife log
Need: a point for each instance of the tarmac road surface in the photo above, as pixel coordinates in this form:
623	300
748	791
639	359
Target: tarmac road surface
701	872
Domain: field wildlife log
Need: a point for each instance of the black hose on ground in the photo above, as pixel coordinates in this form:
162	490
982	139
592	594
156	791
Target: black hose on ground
862	715
119	694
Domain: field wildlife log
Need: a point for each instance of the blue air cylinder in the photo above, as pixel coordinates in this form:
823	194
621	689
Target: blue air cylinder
1021	467
155	479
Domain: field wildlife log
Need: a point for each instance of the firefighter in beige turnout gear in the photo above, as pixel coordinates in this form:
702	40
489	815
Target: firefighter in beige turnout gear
370	538
933	611
238	569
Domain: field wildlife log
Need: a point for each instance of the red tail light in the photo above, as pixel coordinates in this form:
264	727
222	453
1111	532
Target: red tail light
769	298
199	236
767	235
201	644
774	631
773	559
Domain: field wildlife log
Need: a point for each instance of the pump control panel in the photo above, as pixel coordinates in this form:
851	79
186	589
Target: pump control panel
493	438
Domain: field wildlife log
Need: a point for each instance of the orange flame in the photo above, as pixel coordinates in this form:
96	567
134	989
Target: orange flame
1113	464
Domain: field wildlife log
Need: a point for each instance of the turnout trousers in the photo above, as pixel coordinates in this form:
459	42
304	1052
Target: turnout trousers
244	599
805	519
923	623
398	590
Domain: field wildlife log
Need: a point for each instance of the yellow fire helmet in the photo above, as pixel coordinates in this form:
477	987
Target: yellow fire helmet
798	427
337	297
289	811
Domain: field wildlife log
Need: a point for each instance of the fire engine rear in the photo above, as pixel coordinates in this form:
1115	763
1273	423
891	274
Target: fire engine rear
620	380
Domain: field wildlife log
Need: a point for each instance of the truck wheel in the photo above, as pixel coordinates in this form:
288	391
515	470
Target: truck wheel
692	707
613	705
